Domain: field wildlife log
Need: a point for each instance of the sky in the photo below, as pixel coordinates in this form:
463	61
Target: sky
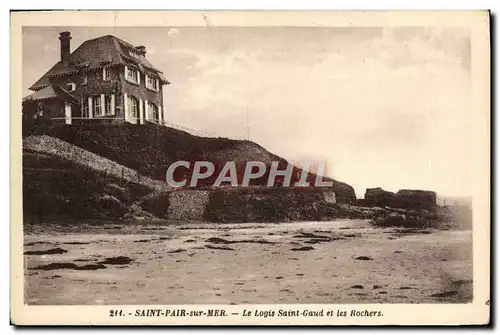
382	107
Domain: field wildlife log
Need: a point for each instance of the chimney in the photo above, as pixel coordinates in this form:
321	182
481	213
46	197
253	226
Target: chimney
141	49
65	38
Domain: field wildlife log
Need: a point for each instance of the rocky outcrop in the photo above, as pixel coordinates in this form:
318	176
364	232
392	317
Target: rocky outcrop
272	205
413	199
378	197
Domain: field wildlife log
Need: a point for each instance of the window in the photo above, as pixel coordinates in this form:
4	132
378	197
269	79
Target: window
152	83
39	110
85	79
105	73
97	106
70	87
153	111
109	105
134	54
132	75
133	106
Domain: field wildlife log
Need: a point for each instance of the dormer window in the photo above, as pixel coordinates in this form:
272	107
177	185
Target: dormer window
152	83
134	54
70	87
132	75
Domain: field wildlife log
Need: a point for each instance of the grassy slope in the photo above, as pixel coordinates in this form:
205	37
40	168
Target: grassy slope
151	149
56	187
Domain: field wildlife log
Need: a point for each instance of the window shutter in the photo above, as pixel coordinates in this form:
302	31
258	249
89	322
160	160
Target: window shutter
125	106
126	72
91	111
138	77
146	80
157	85
141	112
146	109
112	112
104	73
103	105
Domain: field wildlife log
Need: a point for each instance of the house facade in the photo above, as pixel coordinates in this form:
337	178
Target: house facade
104	81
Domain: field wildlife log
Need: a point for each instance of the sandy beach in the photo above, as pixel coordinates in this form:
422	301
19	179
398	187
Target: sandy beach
345	261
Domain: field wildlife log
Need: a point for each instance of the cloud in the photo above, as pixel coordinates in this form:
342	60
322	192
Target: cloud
389	105
385	107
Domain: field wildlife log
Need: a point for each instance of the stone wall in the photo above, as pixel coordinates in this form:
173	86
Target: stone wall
257	204
187	205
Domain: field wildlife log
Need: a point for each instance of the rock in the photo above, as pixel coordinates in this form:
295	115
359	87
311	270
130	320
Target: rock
357	286
120	260
218	240
414	199
444	294
377	197
217	247
110	204
70	266
311	235
176	251
364	258
302	249
54	251
91	267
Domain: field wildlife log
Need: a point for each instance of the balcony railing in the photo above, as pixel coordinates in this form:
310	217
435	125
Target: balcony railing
93	121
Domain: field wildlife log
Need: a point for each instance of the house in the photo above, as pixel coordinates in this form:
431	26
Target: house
105	81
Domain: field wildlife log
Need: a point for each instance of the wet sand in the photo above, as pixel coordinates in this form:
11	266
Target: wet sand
344	261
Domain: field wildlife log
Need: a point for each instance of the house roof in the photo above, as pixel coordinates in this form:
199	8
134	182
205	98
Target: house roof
51	92
93	54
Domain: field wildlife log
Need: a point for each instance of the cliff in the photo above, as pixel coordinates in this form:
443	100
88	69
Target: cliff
150	149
